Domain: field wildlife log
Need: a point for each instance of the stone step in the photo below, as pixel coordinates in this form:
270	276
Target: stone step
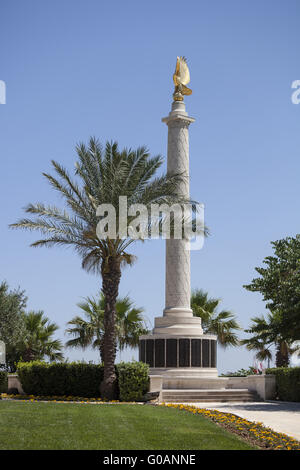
197	395
210	400
185	396
175	320
207	391
180	330
208	395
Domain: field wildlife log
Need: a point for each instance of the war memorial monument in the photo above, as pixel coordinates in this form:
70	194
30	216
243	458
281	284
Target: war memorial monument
178	350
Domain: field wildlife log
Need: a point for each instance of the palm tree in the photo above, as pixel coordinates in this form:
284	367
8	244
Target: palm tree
222	324
37	340
101	176
90	331
265	334
130	324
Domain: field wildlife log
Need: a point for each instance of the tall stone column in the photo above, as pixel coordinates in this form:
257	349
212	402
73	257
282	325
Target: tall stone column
178	288
177	349
178	316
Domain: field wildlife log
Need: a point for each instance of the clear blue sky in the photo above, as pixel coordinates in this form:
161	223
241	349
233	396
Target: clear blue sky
80	68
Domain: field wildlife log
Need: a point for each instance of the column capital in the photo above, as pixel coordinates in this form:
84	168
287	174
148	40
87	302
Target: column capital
178	115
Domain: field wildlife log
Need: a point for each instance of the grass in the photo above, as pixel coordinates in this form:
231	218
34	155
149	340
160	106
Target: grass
36	425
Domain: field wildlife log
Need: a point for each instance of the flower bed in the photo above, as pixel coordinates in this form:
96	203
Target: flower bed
254	432
60	398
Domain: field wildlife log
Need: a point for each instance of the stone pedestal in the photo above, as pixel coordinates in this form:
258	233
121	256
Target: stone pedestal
178	350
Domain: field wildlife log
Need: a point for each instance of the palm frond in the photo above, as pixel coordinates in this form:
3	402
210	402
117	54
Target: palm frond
223	323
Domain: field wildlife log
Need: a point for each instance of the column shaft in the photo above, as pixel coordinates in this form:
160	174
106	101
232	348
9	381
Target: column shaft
178	284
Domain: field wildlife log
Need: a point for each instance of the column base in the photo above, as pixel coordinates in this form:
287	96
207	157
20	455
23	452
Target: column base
178	322
179	311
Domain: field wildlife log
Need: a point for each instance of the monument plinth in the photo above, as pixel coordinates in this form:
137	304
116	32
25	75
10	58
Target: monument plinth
178	350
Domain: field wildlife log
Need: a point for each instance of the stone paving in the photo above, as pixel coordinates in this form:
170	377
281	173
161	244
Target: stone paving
278	415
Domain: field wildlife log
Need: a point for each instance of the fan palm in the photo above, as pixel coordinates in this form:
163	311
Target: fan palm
222	324
130	324
90	331
101	176
37	341
265	334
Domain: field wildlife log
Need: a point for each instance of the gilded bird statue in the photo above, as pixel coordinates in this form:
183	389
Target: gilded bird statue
181	78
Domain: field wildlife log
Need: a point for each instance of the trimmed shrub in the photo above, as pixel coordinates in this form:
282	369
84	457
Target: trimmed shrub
133	380
82	380
3	381
287	382
70	379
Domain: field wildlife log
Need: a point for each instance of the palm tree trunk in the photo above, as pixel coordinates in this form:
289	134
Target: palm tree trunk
101	351
111	275
282	355
28	355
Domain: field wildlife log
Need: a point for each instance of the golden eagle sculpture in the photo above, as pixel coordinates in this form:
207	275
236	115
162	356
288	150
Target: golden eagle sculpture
181	78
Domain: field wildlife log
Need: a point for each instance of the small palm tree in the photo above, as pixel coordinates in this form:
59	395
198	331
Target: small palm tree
265	334
101	176
90	331
37	340
222	324
130	324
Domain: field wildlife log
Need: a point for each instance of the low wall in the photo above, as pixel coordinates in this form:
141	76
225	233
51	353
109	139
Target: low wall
156	382
263	385
237	382
14	382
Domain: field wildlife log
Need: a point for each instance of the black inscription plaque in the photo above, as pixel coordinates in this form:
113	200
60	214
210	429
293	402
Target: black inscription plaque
159	353
150	352
142	350
184	352
213	349
171	352
205	353
196	353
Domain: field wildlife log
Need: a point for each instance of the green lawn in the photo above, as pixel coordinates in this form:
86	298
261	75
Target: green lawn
86	426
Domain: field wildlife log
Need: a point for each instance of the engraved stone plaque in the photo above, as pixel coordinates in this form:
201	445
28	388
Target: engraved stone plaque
184	352
142	351
150	352
172	352
213	360
196	353
205	353
159	353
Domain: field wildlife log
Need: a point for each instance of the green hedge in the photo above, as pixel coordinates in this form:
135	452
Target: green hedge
70	379
81	380
3	381
133	379
287	382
